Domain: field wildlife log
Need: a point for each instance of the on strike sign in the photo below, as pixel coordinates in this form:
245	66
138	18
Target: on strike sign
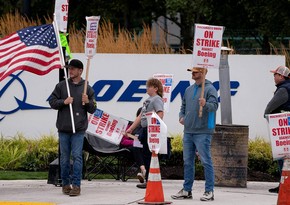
157	133
106	126
91	35
279	129
61	14
207	46
166	80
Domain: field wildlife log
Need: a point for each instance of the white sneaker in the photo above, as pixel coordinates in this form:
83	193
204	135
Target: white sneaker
141	176
182	195
207	196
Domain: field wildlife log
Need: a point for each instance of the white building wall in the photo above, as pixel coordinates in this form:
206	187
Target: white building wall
256	87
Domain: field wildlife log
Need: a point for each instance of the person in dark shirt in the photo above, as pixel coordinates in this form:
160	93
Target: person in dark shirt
280	102
137	152
71	144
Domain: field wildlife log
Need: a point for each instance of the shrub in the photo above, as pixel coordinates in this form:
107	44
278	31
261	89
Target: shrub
12	152
19	153
260	157
176	158
40	153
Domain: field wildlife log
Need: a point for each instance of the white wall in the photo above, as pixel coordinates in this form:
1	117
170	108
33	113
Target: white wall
251	71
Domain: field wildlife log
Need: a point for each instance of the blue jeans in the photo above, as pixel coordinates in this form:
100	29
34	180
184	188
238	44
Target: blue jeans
202	144
71	144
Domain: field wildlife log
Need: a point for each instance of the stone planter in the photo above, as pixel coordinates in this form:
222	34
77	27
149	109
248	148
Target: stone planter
230	155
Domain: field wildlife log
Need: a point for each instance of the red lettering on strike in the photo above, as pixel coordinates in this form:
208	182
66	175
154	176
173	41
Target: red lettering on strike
90	45
166	89
154	128
154	140
208	34
283	122
64	7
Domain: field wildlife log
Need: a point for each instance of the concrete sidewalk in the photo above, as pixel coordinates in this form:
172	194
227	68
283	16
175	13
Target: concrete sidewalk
112	192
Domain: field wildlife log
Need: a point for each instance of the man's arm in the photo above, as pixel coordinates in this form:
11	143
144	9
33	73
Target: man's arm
91	106
55	100
280	97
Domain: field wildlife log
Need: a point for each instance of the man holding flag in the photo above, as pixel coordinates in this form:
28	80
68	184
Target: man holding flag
72	143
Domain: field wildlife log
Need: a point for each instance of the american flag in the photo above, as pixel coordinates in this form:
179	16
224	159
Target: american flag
33	49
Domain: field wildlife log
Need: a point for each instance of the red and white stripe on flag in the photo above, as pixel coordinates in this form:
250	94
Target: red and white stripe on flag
33	49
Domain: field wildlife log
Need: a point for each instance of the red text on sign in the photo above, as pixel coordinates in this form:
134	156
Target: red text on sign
102	123
154	140
154	128
208	43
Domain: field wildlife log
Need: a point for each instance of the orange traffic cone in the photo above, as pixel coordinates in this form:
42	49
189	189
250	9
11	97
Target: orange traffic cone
154	190
284	190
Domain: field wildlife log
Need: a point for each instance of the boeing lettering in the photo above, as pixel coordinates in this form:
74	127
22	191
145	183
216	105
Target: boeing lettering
105	91
110	88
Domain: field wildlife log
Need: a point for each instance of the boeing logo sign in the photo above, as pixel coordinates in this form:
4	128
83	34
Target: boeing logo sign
111	87
119	82
135	87
21	103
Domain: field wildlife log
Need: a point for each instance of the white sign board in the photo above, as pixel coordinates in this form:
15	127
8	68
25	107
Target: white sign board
24	107
166	80
61	14
207	46
157	133
91	35
279	132
107	126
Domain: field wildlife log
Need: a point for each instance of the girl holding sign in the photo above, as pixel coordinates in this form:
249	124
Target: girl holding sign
154	103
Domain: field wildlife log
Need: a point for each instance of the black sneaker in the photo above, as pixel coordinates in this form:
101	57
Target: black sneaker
274	190
182	195
207	196
142	185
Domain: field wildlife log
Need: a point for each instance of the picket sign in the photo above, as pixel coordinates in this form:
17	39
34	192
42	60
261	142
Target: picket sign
207	46
90	43
61	14
166	80
107	126
206	50
91	35
157	133
279	133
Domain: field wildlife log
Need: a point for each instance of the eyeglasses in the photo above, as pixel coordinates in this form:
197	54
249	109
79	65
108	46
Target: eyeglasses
276	74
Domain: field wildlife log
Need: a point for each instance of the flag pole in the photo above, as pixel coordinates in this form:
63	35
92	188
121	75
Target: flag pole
65	73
